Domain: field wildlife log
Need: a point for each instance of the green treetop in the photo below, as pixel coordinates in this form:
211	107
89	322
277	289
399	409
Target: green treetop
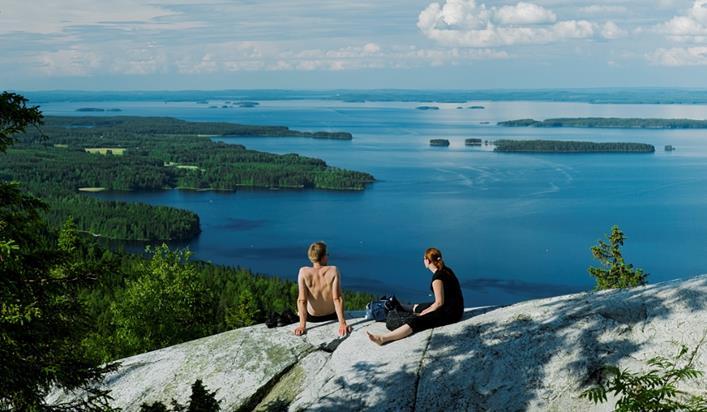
615	273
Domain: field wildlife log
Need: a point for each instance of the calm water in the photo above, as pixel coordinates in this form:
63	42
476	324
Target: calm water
512	226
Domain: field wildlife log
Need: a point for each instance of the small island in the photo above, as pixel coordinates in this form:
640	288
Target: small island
246	105
669	148
439	142
427	108
472	142
559	146
477	107
609	123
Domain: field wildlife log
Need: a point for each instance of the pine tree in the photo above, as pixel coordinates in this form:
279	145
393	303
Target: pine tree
616	273
202	400
245	312
42	320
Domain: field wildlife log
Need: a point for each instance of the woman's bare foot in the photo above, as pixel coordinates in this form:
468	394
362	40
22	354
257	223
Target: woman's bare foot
375	338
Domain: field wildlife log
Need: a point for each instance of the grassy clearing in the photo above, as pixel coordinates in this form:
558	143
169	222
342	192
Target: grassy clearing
61	146
91	189
188	167
117	151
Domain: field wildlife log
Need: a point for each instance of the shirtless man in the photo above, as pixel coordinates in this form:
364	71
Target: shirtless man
320	297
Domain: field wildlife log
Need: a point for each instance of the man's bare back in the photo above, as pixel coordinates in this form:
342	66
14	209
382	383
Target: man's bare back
319	282
320	291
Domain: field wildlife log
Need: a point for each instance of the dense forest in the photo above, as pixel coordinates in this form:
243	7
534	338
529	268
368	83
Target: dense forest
122	220
558	146
155	153
132	153
609	123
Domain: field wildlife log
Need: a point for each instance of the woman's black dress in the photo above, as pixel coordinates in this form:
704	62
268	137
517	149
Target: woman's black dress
451	310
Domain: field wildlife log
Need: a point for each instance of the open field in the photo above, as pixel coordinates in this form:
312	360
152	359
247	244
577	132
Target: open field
118	151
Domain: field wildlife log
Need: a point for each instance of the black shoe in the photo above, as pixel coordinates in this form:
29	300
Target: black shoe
396	303
288	317
391	303
272	320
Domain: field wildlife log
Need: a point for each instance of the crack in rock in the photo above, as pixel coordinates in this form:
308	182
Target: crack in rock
419	369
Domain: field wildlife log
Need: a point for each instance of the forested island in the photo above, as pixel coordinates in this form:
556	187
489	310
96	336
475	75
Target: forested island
135	153
474	141
169	125
609	123
559	146
427	108
439	142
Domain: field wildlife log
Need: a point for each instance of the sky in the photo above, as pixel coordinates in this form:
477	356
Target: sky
356	44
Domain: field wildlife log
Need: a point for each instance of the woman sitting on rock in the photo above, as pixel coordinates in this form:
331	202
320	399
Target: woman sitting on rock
447	308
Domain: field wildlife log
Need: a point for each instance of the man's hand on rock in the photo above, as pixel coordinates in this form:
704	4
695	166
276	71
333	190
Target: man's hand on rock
300	330
344	329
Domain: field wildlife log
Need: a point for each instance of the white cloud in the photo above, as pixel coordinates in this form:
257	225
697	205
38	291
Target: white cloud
371	48
688	28
524	13
56	17
603	9
690	56
122	57
572	29
140	61
68	62
463	23
612	31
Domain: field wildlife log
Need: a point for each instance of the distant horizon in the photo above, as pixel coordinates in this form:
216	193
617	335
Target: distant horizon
607	95
372	89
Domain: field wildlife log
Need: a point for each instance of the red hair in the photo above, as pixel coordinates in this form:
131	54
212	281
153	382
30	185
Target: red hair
435	257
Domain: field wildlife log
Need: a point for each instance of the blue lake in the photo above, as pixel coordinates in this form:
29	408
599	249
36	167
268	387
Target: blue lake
512	226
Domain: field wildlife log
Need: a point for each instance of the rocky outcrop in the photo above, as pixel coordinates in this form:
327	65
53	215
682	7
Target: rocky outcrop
534	355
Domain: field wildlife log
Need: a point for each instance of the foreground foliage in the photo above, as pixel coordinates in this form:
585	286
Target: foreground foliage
42	321
615	273
653	390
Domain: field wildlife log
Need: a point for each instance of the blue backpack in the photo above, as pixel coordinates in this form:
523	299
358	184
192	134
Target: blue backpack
378	309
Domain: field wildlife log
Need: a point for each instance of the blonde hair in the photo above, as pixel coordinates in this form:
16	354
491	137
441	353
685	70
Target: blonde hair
316	252
435	257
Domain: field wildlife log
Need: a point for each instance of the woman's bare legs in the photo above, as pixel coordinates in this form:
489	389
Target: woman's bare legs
399	333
